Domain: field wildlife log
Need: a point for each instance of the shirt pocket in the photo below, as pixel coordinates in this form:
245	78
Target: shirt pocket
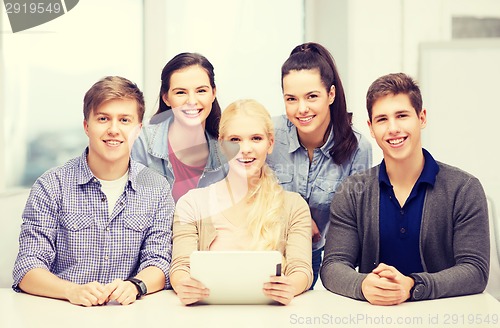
320	200
285	180
135	230
322	193
77	231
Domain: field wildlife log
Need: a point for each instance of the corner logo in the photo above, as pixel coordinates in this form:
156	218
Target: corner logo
25	14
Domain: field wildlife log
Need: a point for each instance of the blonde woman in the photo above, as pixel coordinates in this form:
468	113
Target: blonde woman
248	210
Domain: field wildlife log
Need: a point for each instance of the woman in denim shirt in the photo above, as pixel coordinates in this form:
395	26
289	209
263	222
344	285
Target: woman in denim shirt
180	141
316	146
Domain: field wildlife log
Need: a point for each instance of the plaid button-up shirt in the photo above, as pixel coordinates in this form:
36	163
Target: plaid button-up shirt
67	228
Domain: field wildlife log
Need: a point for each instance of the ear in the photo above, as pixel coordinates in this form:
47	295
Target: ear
271	145
135	133
423	118
86	127
331	95
132	137
371	128
165	99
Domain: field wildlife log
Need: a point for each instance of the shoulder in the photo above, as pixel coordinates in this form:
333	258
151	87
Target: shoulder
360	182
281	124
147	177
362	140
454	177
150	131
67	170
197	195
293	199
58	179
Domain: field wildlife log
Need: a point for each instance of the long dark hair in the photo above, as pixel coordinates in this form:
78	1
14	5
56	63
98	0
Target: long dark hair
183	60
310	56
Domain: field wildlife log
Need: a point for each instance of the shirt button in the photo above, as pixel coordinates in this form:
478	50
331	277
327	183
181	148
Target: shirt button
141	227
75	226
106	257
107	229
103	199
403	230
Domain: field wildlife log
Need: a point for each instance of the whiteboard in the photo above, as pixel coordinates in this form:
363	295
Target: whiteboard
460	84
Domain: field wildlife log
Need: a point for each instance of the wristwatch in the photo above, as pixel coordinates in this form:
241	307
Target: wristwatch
418	290
140	285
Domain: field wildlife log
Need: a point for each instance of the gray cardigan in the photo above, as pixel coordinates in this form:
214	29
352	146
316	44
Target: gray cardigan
454	235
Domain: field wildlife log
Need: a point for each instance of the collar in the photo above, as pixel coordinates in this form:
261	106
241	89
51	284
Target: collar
158	146
428	174
294	143
86	176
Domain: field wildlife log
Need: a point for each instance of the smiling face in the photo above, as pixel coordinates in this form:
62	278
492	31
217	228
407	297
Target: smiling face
247	138
396	127
190	96
112	129
307	101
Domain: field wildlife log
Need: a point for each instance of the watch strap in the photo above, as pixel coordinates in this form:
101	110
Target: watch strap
140	285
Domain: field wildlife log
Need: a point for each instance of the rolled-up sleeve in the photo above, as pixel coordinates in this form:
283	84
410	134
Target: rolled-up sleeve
157	246
38	232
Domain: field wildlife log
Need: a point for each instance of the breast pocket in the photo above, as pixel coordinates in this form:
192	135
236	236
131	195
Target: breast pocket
320	200
285	180
76	231
323	192
135	230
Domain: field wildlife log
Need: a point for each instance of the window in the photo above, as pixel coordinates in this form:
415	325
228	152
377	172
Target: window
46	71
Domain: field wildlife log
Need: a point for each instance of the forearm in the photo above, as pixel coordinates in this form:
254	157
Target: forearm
299	281
153	277
342	279
176	277
41	282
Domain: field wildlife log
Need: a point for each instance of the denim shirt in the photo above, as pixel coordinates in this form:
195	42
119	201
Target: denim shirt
315	181
151	149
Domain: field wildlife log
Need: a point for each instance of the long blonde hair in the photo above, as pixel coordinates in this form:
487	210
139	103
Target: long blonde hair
266	220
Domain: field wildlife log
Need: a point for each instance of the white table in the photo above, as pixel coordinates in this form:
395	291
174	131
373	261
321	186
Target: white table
312	309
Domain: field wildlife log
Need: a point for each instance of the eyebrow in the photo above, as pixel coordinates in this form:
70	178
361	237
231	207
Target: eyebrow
199	87
307	93
402	111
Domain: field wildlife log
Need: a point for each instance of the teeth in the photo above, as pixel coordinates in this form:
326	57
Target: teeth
192	112
245	160
305	119
396	141
113	143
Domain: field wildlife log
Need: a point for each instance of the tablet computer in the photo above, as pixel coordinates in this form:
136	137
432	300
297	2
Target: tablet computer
235	277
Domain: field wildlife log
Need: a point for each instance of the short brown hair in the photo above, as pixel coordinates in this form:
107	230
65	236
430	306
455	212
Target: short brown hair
112	88
394	84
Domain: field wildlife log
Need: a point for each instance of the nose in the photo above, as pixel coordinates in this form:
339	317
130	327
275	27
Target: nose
192	98
113	127
245	146
394	127
303	109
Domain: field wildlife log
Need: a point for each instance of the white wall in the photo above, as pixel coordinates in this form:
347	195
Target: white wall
247	41
372	38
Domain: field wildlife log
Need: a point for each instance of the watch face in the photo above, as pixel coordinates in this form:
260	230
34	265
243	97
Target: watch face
140	285
418	292
143	288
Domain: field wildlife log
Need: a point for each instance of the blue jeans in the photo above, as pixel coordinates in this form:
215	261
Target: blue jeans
316	264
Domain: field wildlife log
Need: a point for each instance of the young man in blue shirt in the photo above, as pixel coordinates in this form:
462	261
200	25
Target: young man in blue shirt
98	228
415	228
